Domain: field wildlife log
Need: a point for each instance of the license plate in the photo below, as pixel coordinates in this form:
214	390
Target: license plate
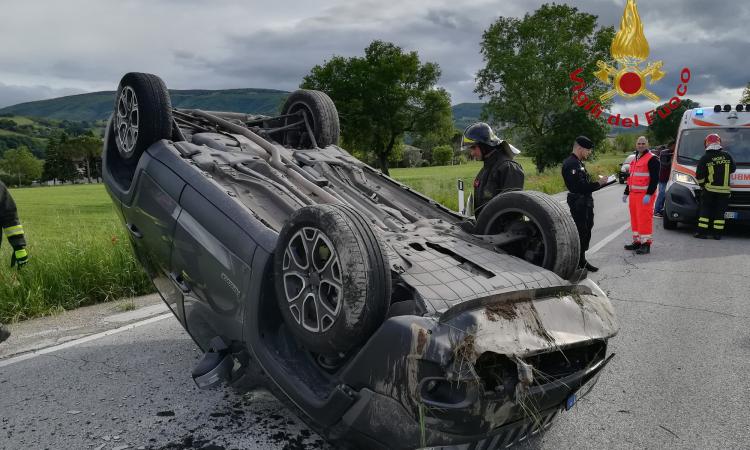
731	215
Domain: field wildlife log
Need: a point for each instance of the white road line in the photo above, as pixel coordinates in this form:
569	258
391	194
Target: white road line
73	343
607	240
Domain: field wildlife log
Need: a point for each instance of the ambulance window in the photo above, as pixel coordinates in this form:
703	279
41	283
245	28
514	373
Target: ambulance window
736	141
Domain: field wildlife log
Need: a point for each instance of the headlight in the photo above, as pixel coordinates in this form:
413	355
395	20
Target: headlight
684	178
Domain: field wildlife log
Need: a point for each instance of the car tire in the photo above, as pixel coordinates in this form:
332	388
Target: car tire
668	223
321	114
553	242
142	114
332	279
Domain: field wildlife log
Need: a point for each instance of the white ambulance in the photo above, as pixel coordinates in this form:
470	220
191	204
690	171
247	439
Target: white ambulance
733	125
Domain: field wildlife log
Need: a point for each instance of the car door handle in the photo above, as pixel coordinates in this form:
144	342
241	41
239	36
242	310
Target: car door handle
180	282
134	230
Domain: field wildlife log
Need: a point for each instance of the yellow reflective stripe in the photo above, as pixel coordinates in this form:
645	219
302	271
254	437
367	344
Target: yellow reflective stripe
718	227
468	140
702	225
703	219
718	189
711	173
726	174
21	253
15	230
719	221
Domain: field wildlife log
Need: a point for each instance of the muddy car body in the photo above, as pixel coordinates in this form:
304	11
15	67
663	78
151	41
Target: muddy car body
361	304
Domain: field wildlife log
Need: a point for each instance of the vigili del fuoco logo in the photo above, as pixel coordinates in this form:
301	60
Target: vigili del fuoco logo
626	77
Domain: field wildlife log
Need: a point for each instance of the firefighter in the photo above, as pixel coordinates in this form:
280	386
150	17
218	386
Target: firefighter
13	231
580	200
642	184
712	174
499	172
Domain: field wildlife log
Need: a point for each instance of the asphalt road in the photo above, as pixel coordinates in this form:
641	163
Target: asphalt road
680	378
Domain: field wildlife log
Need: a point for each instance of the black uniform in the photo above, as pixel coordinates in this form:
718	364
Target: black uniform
580	200
12	230
712	174
498	174
11	226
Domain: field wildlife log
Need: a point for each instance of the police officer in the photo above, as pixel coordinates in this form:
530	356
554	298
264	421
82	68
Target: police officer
499	172
13	231
580	200
712	174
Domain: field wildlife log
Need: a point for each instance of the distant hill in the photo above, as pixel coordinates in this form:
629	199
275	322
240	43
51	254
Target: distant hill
464	114
98	105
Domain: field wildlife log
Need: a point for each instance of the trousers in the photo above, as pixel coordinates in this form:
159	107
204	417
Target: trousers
582	210
711	212
641	217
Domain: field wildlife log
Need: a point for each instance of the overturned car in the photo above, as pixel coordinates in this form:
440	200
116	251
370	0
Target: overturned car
360	303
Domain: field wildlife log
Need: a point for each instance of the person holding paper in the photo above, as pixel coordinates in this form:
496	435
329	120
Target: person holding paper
580	200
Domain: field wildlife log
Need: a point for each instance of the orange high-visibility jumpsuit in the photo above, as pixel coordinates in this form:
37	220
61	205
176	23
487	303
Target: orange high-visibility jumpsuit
641	216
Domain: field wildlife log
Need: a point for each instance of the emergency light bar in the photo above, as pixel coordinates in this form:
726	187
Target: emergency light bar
727	108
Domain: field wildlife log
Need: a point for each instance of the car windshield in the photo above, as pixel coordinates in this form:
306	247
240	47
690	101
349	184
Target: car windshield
736	141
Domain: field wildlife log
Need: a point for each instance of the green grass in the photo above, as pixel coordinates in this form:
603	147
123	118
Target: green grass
439	183
79	254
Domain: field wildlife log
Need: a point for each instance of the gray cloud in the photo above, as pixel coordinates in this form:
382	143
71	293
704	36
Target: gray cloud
236	43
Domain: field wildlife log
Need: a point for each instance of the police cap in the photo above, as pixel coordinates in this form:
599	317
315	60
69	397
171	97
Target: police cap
585	142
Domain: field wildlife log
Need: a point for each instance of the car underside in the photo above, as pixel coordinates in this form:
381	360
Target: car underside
366	307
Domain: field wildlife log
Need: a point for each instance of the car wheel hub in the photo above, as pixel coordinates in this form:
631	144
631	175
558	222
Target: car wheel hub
127	120
312	280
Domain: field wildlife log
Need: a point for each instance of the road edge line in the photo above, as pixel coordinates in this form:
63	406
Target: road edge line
607	239
34	353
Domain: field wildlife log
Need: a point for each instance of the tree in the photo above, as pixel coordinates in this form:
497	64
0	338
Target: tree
442	155
382	96
664	130
625	142
21	165
526	77
85	148
745	99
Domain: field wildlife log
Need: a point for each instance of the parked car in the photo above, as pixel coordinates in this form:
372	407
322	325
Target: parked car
625	169
361	304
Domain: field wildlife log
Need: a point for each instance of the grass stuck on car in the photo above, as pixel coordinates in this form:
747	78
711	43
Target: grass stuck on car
358	302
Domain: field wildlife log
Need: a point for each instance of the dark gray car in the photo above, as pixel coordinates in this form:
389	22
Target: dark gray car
360	303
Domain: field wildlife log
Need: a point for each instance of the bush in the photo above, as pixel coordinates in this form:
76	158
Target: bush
442	155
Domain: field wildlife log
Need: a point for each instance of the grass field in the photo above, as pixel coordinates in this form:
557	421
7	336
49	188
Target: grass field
80	255
440	182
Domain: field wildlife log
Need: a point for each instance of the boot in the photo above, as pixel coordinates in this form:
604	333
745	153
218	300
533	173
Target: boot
700	235
591	268
644	249
717	237
633	246
4	332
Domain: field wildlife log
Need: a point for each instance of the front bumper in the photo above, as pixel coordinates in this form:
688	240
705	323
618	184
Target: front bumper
457	380
681	203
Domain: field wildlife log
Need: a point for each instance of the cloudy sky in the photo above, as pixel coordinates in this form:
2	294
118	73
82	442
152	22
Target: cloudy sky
54	48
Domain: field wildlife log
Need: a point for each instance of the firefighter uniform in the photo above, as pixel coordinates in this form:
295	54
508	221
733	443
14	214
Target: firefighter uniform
12	228
580	200
13	231
712	174
500	173
642	183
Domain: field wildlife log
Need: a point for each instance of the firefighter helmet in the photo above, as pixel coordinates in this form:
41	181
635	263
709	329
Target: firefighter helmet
480	133
712	142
